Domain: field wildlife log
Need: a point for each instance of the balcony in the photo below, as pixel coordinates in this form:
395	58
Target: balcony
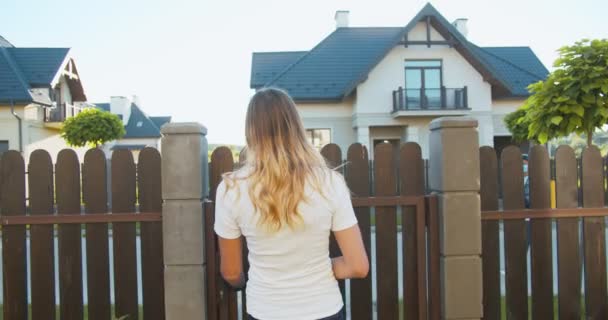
428	102
54	117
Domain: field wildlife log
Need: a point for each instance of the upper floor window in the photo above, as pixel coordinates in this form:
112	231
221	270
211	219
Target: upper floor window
318	137
423	82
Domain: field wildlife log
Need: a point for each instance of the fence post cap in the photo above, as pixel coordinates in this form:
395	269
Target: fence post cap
183	128
453	122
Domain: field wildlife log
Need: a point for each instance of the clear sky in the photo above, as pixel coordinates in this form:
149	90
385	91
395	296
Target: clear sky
191	59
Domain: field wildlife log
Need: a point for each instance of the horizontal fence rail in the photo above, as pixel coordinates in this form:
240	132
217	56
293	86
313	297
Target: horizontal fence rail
65	220
544	214
525	219
398	201
78	218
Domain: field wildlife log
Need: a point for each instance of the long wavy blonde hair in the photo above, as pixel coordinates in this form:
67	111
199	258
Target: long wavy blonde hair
279	161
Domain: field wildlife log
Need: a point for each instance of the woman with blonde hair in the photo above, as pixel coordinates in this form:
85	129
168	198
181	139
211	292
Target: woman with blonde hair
285	201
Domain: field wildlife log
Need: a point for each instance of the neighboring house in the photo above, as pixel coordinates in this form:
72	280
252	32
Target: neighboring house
377	84
39	89
141	130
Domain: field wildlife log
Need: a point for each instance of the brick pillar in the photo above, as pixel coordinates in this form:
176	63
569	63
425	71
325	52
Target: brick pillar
184	185
454	176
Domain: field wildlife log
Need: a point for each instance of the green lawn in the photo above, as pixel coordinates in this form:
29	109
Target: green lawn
86	315
503	315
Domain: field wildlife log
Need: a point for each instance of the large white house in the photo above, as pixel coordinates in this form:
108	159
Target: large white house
376	84
39	89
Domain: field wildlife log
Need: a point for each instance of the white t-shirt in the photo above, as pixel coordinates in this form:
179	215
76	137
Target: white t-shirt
290	274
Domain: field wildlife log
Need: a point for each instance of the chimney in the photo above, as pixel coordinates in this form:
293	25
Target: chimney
136	101
121	106
461	26
341	18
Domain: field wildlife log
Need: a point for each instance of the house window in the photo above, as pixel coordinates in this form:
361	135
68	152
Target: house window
318	137
3	146
423	81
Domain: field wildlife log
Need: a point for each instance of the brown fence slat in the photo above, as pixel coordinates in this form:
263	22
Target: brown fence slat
12	202
357	178
150	200
386	234
490	234
246	271
211	258
411	174
594	235
434	271
568	253
67	176
42	249
514	235
541	240
221	162
94	193
333	155
123	236
242	160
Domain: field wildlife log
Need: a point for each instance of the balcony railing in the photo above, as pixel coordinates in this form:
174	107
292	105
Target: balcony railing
430	99
60	113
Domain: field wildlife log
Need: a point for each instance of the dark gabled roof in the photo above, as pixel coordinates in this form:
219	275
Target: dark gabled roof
140	125
159	121
267	65
12	84
24	69
334	68
39	65
518	66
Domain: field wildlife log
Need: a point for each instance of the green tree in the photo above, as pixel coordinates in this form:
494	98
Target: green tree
573	98
92	127
518	128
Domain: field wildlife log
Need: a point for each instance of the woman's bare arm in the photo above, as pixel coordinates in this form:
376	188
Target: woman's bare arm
354	262
231	262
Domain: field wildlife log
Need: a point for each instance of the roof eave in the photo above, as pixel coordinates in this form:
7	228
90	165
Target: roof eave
317	99
59	71
17	101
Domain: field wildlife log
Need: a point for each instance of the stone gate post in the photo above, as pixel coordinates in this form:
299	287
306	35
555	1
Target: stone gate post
454	176
184	185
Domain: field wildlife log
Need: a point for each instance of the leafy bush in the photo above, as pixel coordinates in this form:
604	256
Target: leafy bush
92	127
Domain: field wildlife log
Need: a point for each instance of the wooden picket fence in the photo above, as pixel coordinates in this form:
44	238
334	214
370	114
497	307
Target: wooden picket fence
578	297
397	180
63	201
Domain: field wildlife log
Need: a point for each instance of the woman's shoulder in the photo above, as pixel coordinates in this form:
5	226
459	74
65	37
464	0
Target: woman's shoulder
332	178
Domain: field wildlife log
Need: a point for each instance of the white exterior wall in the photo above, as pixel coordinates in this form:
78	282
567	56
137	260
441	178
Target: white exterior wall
373	105
35	135
66	95
334	116
9	126
53	144
149	142
500	108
